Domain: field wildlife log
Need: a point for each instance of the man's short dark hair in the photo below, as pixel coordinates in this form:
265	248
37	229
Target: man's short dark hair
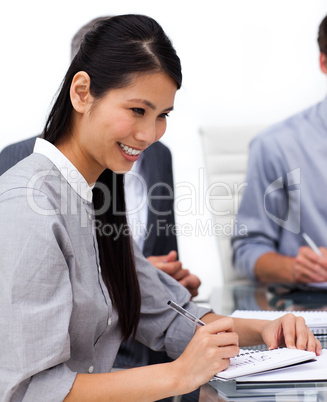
322	36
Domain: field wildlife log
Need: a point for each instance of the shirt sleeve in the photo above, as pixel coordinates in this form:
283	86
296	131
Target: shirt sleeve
160	327
264	198
36	301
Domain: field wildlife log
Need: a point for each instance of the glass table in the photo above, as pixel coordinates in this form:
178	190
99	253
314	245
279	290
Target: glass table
249	296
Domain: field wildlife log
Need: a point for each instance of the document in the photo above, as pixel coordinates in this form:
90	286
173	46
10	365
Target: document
293	383
311	371
256	361
321	285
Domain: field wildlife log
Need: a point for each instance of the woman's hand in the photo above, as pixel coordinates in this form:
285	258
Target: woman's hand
292	332
208	353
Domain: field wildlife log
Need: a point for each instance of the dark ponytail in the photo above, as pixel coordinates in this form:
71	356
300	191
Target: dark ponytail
112	53
116	257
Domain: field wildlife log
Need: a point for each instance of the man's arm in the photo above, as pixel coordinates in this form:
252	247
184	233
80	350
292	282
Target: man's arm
256	239
268	244
266	212
265	268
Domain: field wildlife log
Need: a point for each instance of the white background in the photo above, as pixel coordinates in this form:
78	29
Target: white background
244	62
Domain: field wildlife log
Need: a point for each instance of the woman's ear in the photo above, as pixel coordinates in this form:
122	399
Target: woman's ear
80	92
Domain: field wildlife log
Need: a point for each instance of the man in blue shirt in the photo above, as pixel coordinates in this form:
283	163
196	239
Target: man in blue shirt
285	196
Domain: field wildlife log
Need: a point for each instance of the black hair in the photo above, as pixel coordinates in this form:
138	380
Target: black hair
79	35
322	36
112	53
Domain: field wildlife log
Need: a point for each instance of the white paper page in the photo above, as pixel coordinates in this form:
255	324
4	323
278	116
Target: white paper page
311	371
321	285
255	361
317	319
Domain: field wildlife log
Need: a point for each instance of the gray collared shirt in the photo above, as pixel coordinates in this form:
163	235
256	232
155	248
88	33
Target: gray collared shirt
56	316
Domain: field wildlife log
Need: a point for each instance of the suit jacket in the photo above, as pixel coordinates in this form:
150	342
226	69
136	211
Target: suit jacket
158	172
158	175
14	153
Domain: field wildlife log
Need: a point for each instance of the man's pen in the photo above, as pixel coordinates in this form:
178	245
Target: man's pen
311	244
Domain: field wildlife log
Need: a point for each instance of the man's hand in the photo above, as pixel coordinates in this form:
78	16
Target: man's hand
173	267
309	266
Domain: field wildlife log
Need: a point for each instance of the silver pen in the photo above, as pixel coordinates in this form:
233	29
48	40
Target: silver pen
311	244
185	313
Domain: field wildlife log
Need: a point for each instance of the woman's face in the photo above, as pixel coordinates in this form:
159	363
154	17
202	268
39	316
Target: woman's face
113	131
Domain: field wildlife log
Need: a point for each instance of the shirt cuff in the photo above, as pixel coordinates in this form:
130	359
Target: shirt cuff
245	260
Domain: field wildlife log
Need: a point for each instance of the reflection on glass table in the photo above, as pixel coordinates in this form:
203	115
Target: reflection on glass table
250	296
265	392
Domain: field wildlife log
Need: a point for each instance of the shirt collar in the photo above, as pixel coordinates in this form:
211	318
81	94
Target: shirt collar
65	167
324	111
138	165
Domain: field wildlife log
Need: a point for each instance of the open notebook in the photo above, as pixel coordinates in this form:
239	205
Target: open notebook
255	361
315	370
300	382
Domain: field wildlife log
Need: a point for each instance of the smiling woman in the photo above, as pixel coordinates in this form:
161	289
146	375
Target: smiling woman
121	59
71	293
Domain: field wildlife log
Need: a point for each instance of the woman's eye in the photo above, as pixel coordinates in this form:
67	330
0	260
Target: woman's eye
138	110
163	115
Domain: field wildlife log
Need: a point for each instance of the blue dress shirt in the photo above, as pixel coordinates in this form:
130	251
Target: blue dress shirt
286	190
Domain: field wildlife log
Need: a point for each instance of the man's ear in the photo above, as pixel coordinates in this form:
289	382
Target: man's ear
323	63
80	92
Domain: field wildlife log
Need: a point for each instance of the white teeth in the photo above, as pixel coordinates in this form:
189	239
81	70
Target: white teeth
129	150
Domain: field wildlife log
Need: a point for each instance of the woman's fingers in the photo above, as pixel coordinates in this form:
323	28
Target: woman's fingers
209	351
225	324
292	332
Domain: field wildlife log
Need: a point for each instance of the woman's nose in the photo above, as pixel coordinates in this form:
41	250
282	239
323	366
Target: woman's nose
147	133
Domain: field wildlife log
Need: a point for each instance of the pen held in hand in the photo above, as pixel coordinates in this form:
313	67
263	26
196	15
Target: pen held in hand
311	244
185	313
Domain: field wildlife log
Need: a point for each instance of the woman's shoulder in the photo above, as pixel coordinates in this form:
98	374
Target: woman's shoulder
33	174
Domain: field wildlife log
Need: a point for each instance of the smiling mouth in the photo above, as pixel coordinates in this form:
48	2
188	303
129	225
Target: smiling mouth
129	150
